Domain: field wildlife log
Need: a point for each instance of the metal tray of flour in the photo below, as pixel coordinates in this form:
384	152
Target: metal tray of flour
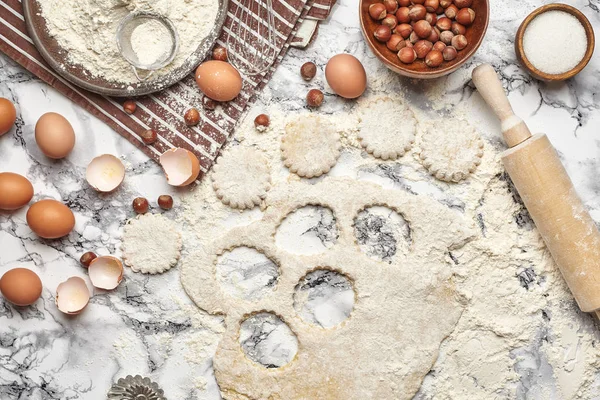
77	74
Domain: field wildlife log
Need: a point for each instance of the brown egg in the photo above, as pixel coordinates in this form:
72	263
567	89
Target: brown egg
15	191
54	135
218	80
346	76
8	115
21	286
50	219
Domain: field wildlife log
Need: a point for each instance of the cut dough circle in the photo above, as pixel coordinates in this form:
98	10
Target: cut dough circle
241	177
386	128
310	146
151	244
451	149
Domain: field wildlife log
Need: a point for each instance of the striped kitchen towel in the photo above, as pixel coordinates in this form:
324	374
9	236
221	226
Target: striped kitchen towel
163	111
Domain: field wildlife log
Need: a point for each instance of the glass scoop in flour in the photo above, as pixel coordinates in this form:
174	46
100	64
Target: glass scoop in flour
148	41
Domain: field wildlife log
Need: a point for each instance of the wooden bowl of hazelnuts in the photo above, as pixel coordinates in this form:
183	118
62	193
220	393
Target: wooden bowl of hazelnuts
424	39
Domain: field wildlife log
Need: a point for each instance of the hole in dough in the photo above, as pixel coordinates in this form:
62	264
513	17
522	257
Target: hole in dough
382	233
267	340
246	273
308	230
324	298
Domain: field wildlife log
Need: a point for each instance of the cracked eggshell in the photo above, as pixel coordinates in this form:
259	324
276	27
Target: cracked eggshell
72	296
181	166
106	272
105	173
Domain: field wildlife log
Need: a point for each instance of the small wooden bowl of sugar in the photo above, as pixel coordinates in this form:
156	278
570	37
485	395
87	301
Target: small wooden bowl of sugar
555	42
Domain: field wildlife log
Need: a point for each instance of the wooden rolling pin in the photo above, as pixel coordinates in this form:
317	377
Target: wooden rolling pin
548	193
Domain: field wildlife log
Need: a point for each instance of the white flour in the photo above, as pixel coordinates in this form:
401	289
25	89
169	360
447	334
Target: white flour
151	42
520	317
86	30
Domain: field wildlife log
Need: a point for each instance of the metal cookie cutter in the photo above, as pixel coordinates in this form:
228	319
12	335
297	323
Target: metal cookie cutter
124	43
135	388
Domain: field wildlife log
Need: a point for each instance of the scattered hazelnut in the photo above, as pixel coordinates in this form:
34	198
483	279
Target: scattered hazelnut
407	55
219	53
422	47
402	15
308	71
458	29
404	30
165	202
439	46
431	5
463	3
444	24
382	33
417	13
390	5
413	38
434	58
459	42
465	16
87	258
390	21
422	29
140	205
446	37
431	18
449	53
314	98
129	106
191	117
149	136
434	37
451	11
404	3
394	42
445	3
377	11
209	103
262	122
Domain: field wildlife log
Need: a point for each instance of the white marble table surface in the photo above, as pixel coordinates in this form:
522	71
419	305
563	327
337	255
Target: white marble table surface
46	355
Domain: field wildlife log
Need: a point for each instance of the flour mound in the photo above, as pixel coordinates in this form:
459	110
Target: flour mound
151	244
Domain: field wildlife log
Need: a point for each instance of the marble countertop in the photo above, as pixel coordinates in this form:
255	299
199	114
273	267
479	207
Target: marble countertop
45	354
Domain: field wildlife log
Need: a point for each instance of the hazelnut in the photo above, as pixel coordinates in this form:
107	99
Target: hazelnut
431	18
314	98
422	47
382	33
377	11
459	42
165	202
434	36
149	136
219	53
417	13
87	258
413	38
445	3
209	103
451	11
418	1
408	44
449	53
434	58
402	15
394	42
407	55
458	29
465	16
431	5
191	117
444	24
390	21
439	46
404	30
422	29
403	44
404	3
463	3
262	122
446	37
308	71
439	11
390	5
129	106
140	205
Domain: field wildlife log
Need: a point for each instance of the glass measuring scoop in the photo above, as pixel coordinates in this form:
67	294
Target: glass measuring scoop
148	41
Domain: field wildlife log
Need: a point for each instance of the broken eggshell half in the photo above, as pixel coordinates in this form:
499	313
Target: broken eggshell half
72	296
181	166
105	173
106	272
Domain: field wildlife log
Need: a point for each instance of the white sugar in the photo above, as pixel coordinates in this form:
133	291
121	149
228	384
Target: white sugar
555	42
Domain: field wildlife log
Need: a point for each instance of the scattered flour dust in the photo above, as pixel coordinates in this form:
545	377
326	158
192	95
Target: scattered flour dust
521	335
86	30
